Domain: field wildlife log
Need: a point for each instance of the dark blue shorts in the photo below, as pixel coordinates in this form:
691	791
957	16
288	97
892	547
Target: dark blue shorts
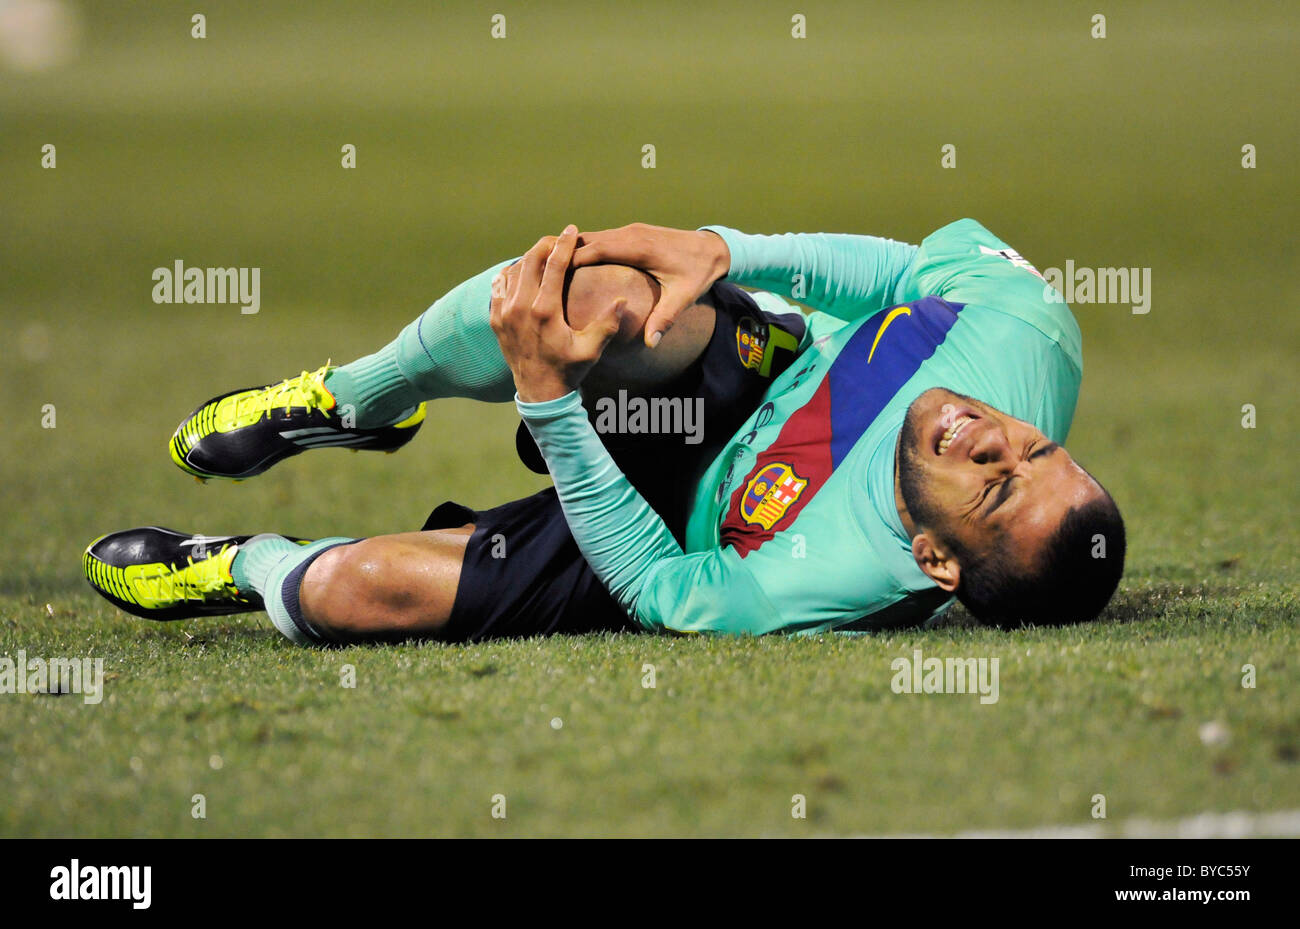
523	574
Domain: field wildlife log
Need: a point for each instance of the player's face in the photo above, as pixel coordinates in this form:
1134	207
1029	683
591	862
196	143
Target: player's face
971	472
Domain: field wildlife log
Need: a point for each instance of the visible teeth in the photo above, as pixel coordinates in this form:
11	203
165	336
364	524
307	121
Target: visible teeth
951	433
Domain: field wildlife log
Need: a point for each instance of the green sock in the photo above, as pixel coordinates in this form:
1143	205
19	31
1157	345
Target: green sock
255	559
274	567
449	351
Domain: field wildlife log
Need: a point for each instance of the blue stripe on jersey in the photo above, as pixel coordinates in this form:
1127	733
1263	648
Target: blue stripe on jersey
860	389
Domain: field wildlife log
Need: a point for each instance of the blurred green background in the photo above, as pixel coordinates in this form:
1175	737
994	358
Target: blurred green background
225	151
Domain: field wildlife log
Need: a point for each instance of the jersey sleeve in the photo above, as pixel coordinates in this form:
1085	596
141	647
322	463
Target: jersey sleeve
627	544
847	276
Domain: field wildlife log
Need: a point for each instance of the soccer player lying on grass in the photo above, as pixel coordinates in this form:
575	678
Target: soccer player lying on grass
845	475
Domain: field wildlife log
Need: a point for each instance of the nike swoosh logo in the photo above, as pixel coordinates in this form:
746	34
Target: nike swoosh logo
894	314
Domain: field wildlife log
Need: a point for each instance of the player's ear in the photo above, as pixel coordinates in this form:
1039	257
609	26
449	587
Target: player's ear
936	561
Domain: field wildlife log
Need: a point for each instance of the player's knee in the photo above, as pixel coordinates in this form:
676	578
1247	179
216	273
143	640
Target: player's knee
594	289
330	592
627	362
369	588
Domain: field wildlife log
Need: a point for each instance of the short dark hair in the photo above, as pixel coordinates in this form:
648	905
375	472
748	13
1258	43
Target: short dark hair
1071	581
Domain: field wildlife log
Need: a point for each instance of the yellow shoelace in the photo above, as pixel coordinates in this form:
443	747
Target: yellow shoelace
179	583
306	390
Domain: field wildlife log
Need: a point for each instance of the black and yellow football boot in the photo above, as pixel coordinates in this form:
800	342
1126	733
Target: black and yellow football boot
163	574
243	433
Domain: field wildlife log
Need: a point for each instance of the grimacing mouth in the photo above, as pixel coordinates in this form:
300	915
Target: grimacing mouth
952	422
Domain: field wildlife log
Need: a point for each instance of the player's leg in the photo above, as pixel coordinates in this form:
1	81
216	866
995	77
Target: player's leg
383	588
377	401
451	350
510	571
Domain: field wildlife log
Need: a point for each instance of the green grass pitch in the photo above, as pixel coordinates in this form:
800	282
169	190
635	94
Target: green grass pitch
1124	151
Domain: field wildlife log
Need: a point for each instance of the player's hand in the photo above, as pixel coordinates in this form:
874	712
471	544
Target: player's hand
547	357
684	262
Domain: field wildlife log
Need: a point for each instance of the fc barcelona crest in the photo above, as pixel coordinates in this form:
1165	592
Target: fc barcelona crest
769	494
751	343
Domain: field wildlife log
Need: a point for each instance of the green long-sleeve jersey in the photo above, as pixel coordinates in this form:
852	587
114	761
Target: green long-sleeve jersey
794	525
